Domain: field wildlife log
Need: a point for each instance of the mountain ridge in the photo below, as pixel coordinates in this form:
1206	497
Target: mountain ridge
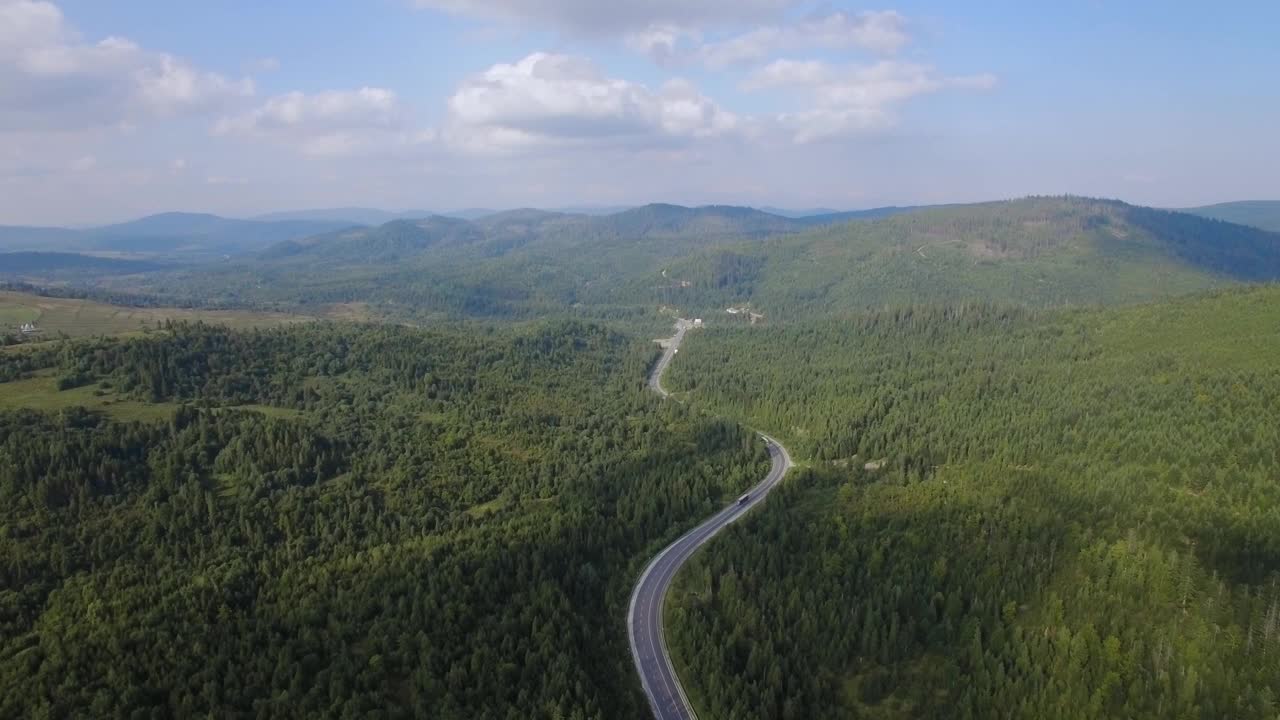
1038	251
165	233
1262	214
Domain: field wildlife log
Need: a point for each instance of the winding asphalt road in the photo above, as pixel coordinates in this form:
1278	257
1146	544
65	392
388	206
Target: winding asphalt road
655	377
644	618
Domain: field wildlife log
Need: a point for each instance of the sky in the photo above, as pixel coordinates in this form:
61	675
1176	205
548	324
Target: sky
113	110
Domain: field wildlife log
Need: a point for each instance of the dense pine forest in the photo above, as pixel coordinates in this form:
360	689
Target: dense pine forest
1006	514
406	523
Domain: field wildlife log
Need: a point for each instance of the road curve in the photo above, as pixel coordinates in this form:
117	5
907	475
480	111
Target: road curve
655	377
644	617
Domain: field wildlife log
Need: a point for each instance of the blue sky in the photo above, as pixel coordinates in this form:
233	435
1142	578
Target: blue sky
110	110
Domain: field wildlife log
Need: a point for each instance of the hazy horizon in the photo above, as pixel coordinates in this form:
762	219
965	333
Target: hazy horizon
333	213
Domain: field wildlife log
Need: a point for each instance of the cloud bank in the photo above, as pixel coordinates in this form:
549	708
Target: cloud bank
50	78
601	17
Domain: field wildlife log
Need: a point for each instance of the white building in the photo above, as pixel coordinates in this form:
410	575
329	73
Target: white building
697	322
28	328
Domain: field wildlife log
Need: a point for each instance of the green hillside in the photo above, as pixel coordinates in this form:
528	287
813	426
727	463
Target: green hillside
1037	251
1263	214
393	242
1008	513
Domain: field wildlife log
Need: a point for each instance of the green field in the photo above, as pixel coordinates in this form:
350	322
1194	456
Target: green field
41	393
82	318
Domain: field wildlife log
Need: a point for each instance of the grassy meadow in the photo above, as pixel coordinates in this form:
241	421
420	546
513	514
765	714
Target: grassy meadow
56	317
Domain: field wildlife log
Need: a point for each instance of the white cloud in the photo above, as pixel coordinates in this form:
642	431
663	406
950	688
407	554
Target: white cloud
51	79
882	32
559	99
335	122
667	30
853	98
617	17
783	73
331	110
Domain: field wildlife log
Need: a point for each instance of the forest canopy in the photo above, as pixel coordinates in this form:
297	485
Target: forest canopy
1008	514
408	523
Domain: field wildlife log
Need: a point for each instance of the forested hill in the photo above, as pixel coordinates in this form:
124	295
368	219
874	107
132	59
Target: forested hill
1264	214
1009	513
1037	251
340	521
503	232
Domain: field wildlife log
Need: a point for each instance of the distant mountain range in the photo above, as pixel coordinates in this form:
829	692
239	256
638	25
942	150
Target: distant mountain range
1263	214
1045	251
497	234
373	216
171	234
1037	251
349	216
195	235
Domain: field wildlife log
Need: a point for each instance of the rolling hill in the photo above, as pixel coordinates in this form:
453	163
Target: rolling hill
348	215
666	229
1044	251
1036	251
178	234
1264	214
392	242
826	216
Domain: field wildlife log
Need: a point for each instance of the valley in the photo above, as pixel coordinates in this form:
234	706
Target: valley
639	360
1025	432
